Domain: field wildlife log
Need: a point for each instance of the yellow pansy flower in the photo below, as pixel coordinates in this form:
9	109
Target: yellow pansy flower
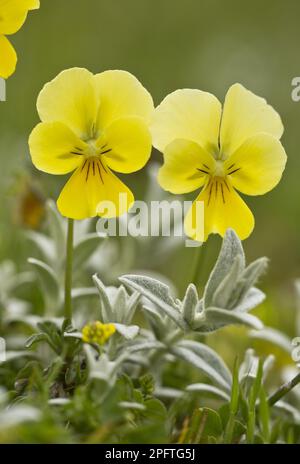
220	150
13	14
97	332
93	125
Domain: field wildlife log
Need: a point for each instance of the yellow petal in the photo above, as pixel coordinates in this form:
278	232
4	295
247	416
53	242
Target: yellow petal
70	98
89	186
121	95
185	168
52	147
257	165
126	144
187	114
223	209
244	115
8	58
14	13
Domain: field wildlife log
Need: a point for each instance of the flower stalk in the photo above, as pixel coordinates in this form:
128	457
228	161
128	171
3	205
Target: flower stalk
284	390
68	274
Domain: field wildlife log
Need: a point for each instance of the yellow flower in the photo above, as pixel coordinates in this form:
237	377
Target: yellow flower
13	14
221	150
92	124
96	332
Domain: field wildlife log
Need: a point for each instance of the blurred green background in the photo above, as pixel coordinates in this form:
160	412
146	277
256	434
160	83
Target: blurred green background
167	44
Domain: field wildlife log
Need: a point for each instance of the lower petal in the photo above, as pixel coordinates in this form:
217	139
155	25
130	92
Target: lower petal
94	190
8	58
223	209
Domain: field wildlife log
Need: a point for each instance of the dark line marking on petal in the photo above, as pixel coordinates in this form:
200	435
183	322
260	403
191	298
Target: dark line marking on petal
105	151
232	172
75	153
217	184
78	148
222	190
99	170
230	167
202	170
83	165
205	165
93	167
102	165
209	195
88	171
226	185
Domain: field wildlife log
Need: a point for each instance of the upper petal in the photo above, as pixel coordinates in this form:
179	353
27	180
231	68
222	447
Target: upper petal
244	115
186	166
94	190
70	98
127	146
257	165
121	95
8	58
14	13
187	114
52	147
223	209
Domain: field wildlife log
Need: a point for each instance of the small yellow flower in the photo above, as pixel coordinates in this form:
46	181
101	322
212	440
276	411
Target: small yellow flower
96	332
93	125
221	150
13	14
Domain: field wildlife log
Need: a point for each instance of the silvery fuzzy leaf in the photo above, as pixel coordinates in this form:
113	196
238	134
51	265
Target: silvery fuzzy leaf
208	389
43	243
106	309
56	227
19	414
231	248
120	306
189	304
85	248
127	331
47	277
83	292
249	278
191	357
158	293
274	336
146	346
132	405
225	289
165	392
253	298
286	409
101	368
210	356
77	335
132	304
215	318
156	322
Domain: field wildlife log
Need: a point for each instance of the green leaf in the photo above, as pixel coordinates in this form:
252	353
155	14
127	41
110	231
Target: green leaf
189	304
106	308
207	389
47	277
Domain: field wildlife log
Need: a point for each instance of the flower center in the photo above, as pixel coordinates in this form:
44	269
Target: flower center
219	169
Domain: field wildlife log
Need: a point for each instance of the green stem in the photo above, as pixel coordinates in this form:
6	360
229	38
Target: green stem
68	274
283	390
